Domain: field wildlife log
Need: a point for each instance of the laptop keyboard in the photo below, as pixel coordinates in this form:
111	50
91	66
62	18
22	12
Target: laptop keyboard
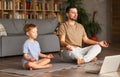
93	68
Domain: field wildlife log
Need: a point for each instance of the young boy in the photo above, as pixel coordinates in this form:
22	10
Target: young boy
31	50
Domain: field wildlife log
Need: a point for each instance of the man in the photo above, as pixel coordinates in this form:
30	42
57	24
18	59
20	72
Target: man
71	35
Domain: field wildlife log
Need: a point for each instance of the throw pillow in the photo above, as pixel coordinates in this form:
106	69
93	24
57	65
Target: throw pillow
2	31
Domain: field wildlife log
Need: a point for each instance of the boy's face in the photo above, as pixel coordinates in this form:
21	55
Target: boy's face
32	33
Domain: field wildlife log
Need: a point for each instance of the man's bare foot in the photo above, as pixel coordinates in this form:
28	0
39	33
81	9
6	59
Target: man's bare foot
94	59
80	61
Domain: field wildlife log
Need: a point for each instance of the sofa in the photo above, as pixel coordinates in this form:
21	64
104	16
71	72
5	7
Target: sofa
11	44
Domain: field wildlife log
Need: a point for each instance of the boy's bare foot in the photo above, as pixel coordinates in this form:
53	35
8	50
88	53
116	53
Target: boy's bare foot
49	65
94	59
30	69
80	61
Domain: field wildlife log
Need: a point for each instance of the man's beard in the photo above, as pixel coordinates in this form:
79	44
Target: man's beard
73	19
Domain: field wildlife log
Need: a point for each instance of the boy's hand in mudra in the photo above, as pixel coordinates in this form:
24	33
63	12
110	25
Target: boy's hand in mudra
50	56
32	59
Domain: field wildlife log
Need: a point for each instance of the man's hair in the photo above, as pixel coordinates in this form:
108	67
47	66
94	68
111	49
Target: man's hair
28	27
69	7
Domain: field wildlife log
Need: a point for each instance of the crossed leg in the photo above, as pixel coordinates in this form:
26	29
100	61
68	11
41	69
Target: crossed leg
81	61
42	63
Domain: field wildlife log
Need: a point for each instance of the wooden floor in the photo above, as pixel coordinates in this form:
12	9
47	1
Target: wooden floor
8	62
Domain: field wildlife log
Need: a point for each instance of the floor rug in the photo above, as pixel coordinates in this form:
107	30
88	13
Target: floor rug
56	67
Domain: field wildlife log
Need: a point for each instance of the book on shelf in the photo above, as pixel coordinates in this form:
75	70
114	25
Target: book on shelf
50	15
19	5
7	15
57	7
0	5
7	5
47	6
43	6
19	15
4	5
29	15
39	16
36	6
28	5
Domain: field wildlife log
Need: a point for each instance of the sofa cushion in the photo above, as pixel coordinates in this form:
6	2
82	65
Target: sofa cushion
19	24
45	26
2	30
9	26
49	43
12	45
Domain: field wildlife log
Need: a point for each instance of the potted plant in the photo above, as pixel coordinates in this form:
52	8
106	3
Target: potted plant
92	27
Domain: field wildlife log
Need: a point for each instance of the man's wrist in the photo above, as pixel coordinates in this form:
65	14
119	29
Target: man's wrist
98	43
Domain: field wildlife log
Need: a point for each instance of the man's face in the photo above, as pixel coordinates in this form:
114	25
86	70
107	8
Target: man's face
72	14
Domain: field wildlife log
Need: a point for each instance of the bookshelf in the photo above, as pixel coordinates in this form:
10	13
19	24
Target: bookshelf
30	9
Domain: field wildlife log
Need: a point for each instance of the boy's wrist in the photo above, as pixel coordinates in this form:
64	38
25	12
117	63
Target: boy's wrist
29	59
46	56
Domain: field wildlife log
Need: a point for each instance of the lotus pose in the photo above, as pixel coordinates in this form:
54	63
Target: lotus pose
31	51
71	35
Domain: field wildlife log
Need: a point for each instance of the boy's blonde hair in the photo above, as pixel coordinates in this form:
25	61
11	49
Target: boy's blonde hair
28	27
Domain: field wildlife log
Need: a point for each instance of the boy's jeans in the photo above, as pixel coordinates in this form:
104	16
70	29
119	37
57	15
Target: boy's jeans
86	53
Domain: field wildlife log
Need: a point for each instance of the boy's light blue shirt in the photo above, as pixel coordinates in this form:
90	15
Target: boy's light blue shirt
32	49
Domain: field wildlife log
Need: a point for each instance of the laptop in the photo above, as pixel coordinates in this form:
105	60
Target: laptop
109	65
